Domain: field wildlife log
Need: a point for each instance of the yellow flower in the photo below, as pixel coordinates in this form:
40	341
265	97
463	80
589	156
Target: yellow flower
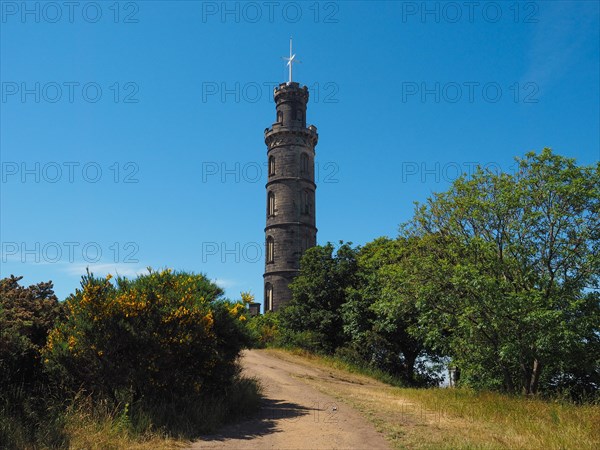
235	309
209	320
247	297
72	342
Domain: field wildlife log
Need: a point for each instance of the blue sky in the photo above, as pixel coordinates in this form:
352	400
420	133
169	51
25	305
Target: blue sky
132	132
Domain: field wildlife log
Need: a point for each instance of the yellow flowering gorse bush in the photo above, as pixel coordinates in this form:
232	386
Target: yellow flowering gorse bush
159	333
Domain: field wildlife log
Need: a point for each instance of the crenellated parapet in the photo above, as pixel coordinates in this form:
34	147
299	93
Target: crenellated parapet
290	92
279	135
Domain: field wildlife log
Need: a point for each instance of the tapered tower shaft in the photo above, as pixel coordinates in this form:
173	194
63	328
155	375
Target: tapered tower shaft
291	219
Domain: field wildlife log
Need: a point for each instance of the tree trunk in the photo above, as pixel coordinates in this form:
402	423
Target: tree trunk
409	366
525	375
453	376
535	377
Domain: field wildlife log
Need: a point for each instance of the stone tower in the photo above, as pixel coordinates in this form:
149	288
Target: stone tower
291	188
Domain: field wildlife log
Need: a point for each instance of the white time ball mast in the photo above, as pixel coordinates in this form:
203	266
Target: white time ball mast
291	60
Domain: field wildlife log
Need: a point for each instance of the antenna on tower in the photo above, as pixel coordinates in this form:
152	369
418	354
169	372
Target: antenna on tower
291	61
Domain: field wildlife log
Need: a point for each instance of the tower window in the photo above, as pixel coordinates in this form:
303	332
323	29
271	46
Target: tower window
270	250
268	297
299	115
279	116
306	202
304	164
271	203
271	166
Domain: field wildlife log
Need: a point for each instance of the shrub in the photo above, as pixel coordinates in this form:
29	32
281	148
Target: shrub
264	329
163	336
306	340
26	317
27	314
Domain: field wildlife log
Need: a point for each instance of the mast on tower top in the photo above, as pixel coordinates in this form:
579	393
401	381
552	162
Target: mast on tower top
291	60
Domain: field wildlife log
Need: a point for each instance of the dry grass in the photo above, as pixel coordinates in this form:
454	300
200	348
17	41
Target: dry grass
85	423
105	431
456	418
98	427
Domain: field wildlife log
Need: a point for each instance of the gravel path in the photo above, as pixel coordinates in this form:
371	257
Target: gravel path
294	415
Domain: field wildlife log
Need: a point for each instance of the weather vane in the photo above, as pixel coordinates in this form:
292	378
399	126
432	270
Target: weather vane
291	61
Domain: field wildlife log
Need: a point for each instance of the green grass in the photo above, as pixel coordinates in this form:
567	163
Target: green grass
336	362
512	421
447	418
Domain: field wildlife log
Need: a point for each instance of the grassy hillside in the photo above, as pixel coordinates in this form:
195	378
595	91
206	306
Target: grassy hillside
454	418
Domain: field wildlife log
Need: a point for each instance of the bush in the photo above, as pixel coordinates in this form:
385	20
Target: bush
306	340
120	363
162	338
27	314
264	329
26	317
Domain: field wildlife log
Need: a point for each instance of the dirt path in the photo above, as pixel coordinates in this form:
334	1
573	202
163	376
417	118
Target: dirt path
295	415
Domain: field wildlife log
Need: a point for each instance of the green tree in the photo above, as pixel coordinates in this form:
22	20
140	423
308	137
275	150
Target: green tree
27	314
381	311
313	317
510	289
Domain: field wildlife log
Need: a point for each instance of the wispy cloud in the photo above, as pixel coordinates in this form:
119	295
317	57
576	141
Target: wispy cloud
102	269
225	283
559	40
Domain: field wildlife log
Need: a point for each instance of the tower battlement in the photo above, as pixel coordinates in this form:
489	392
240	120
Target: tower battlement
288	89
279	134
